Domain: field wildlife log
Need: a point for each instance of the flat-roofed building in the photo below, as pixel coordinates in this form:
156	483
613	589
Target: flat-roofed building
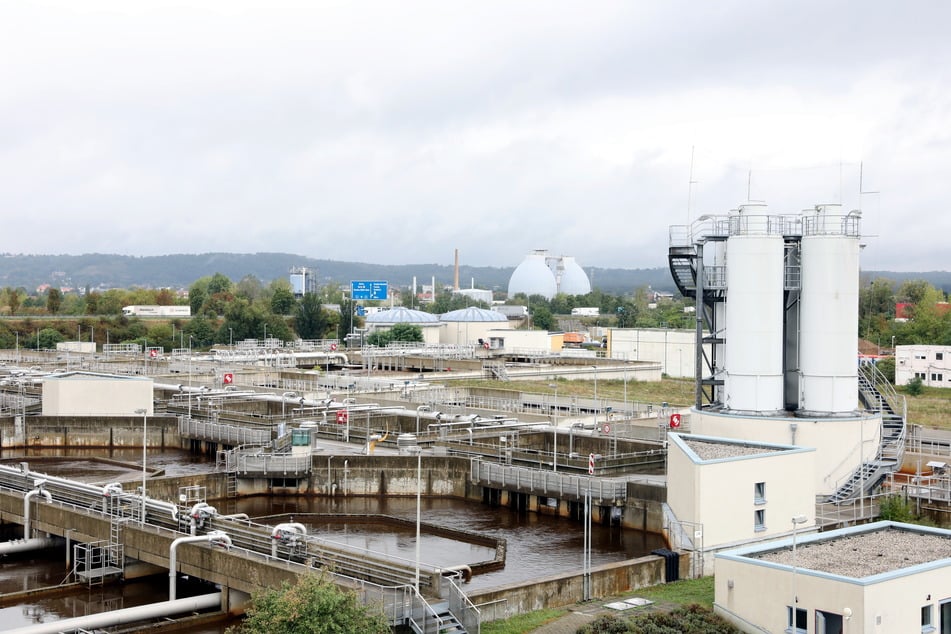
732	492
883	577
94	394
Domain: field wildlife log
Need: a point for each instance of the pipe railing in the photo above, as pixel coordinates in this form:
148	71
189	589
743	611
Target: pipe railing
211	538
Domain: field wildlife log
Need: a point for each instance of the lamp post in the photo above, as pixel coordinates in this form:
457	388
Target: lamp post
796	521
554	417
419	487
230	337
596	408
145	419
189	378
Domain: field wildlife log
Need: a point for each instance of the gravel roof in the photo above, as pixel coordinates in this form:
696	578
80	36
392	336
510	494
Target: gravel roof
864	554
711	450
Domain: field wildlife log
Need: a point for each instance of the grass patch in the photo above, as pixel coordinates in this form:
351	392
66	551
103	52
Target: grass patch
677	392
683	592
931	408
522	622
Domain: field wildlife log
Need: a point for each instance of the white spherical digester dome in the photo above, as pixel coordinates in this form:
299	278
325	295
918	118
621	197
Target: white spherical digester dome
533	277
574	281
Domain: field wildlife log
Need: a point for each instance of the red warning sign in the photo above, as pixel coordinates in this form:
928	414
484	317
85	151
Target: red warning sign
153	353
341	416
228	378
674	421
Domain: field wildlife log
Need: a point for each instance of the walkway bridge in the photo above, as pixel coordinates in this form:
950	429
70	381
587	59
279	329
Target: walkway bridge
259	556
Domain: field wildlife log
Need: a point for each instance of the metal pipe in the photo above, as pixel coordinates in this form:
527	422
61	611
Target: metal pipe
26	545
287	527
81	487
27	532
127	615
214	536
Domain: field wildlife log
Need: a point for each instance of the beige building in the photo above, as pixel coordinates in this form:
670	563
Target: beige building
881	578
92	394
732	492
673	349
471	326
841	443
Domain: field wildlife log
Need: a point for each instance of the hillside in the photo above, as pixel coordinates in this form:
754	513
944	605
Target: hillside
97	270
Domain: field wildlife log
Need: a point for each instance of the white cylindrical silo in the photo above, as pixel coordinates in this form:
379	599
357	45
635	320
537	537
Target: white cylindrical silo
754	314
828	348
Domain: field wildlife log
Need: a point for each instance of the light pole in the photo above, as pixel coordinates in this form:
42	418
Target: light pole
189	379
421	408
419	487
143	411
230	337
596	408
796	521
554	453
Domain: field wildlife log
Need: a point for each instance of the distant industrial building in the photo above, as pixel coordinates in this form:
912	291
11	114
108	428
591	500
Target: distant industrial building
543	274
931	364
303	280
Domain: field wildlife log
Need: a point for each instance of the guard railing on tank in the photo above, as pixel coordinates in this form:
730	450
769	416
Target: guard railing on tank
548	482
221	433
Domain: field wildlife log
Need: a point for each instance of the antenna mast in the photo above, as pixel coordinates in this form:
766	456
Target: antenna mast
690	184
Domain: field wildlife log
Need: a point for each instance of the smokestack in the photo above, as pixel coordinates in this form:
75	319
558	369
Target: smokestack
455	278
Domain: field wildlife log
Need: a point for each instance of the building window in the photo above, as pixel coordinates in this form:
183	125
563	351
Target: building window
936	377
939	356
759	520
799	627
759	493
927	618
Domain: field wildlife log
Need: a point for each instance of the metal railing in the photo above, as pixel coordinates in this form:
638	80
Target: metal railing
222	433
557	484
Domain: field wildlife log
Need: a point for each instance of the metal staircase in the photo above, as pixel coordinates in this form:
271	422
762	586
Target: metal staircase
877	395
707	285
495	370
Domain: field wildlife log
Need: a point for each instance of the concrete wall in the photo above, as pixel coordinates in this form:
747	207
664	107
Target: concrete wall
557	591
92	431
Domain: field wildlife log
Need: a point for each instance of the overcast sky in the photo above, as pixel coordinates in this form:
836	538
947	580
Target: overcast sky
395	132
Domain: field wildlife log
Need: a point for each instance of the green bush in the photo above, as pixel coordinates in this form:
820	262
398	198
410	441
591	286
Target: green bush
314	605
914	386
691	619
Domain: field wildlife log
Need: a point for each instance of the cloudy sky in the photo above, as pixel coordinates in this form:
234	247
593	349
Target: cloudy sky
396	132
